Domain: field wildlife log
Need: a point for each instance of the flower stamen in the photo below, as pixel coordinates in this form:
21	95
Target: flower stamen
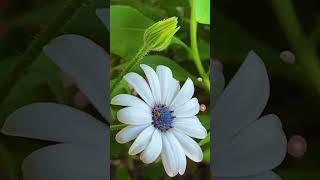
162	117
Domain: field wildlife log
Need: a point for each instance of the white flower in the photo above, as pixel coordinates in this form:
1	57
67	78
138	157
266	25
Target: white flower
82	150
246	146
162	121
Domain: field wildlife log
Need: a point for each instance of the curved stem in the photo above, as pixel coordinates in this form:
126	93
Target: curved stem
138	57
194	47
304	48
35	48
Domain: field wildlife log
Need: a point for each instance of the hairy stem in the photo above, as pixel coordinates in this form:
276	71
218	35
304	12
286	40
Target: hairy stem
137	58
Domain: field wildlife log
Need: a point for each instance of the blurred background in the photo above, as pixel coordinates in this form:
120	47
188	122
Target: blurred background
39	80
239	26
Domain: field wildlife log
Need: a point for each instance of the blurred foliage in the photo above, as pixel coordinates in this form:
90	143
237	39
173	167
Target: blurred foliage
240	26
41	82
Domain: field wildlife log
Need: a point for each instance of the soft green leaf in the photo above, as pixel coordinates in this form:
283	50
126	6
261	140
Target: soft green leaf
127	27
202	8
148	9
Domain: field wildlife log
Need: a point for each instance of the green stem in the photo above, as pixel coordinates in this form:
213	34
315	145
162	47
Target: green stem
35	47
117	127
137	58
304	48
194	47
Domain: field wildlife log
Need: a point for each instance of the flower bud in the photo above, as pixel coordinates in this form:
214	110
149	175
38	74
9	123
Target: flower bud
297	146
203	107
288	57
158	36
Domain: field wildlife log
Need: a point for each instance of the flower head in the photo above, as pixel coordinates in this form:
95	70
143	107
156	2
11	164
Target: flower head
163	121
158	36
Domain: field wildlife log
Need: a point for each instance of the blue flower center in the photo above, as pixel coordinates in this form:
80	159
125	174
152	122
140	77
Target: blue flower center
162	117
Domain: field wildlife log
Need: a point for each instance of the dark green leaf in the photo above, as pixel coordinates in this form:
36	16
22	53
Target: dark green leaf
232	43
205	120
122	174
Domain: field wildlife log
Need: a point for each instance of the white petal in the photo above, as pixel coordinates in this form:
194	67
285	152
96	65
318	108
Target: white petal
54	122
181	159
191	148
173	91
66	162
168	158
104	16
165	75
142	141
134	116
189	109
243	100
190	126
129	100
153	82
184	95
153	150
129	133
87	65
141	86
260	147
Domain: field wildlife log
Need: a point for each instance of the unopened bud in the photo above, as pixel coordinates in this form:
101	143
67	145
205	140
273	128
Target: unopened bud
158	36
203	107
297	146
288	57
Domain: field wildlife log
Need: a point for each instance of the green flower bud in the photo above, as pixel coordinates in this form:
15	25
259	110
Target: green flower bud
158	36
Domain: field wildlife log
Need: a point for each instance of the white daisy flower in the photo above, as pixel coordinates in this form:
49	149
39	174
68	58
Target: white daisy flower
163	121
